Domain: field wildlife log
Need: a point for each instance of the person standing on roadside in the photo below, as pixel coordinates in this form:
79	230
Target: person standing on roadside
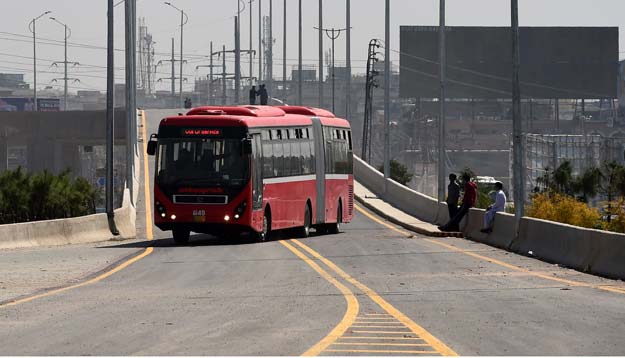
468	201
264	96
453	195
253	95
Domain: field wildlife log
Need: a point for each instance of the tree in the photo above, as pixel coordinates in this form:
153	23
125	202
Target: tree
587	185
399	172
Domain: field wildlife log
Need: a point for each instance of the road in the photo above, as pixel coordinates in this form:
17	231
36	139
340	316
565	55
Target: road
373	289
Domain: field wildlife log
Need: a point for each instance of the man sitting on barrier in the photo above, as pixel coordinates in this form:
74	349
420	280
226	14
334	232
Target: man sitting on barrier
468	201
499	205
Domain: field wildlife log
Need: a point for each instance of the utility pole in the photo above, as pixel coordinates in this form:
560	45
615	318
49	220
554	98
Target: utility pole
333	34
517	124
68	34
441	101
387	88
131	89
183	21
300	89
224	88
173	77
237	60
321	104
110	116
251	45
284	91
260	41
348	60
210	79
32	27
269	60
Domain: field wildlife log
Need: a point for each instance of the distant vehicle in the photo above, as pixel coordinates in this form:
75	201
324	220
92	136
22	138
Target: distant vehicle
255	169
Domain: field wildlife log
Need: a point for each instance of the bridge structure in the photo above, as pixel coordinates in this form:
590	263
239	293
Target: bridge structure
388	284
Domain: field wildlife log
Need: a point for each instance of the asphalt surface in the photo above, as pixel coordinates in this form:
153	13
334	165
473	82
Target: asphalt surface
385	292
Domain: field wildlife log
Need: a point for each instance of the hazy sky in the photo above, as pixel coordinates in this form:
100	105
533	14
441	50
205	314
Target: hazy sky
212	20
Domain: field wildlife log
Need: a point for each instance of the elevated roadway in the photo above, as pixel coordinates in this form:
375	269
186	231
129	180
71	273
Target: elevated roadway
373	289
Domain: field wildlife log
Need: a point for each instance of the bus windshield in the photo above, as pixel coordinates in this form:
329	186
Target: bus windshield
202	162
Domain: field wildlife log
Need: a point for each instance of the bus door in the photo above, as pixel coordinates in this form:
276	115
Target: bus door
257	173
320	170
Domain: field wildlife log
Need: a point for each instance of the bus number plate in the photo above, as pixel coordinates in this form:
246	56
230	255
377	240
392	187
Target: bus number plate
199	216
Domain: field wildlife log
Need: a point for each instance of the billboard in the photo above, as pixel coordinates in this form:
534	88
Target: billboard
556	62
22	104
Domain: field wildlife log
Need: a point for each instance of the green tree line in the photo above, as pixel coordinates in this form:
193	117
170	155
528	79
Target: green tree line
44	196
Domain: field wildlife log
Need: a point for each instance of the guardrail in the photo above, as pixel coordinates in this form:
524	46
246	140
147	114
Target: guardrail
594	251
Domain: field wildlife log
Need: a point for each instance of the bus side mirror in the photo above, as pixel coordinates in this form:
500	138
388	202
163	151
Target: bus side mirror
247	146
152	144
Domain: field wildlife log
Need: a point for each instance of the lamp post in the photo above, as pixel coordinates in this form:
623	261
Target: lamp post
183	21
442	116
517	124
68	34
333	34
32	27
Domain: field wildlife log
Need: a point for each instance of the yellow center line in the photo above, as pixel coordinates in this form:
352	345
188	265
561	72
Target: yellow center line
352	304
495	261
378	351
380	344
385	332
146	181
119	267
418	330
89	282
382	338
388	326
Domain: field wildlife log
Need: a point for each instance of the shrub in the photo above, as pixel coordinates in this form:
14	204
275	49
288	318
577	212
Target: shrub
617	222
44	196
564	209
399	172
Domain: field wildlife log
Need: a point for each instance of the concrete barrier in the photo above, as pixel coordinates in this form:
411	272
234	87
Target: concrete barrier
410	201
85	229
502	235
608	259
126	218
556	243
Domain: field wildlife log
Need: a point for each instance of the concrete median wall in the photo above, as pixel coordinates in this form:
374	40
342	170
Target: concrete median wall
594	251
410	201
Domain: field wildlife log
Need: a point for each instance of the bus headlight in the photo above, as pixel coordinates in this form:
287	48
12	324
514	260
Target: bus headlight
161	209
227	218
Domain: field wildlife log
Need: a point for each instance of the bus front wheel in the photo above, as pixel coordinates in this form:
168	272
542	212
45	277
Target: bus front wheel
181	236
264	234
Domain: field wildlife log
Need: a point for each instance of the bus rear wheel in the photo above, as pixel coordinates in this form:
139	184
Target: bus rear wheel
181	236
304	231
336	227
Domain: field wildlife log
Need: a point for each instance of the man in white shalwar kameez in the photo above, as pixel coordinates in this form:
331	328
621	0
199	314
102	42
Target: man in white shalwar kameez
499	205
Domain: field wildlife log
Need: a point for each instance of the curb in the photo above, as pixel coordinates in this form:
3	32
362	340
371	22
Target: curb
412	228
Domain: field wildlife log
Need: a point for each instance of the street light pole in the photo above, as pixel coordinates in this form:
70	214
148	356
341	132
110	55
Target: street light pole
284	55
320	53
299	59
68	33
387	87
517	128
183	21
260	41
441	101
348	60
251	44
32	26
110	115
333	34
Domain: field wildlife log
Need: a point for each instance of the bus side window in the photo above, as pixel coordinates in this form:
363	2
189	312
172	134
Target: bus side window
296	163
267	159
349	139
278	161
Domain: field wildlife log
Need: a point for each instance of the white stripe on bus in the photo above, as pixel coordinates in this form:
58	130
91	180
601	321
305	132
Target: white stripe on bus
304	178
289	179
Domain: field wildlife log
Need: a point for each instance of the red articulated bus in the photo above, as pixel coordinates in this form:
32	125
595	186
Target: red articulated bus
230	170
